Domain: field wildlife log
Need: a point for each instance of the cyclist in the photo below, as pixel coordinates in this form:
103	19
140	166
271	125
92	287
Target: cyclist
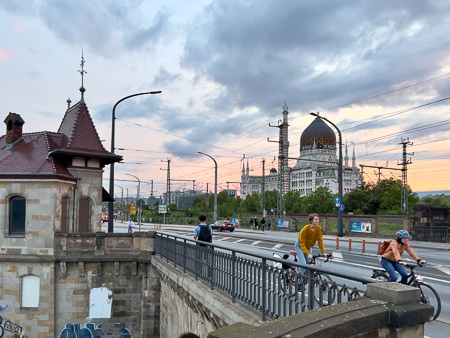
308	236
391	260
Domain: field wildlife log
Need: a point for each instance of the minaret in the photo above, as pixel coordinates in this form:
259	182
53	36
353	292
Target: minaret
346	155
284	151
243	170
248	170
354	158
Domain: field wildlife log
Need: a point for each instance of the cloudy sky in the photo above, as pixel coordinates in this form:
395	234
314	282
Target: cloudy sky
380	70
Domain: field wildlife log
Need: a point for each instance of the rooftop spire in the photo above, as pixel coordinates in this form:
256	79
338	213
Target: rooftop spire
82	72
285	107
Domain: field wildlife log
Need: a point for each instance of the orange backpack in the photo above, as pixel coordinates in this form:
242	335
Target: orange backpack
383	247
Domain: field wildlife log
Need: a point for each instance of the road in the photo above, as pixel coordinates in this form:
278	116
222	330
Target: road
352	262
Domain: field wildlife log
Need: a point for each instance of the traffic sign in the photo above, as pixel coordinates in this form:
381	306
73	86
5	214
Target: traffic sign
133	210
162	208
337	200
341	207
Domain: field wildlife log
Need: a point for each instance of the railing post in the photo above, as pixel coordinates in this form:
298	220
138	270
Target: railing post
263	290
310	290
184	255
210	267
197	260
233	276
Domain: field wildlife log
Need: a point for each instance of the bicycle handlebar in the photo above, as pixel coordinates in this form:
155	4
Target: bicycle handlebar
320	255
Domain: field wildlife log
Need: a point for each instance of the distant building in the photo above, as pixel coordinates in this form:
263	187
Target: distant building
316	167
183	199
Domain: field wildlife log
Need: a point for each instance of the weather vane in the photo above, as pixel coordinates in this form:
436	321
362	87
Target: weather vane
82	72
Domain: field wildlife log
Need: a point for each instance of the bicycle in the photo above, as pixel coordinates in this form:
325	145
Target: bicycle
428	295
321	281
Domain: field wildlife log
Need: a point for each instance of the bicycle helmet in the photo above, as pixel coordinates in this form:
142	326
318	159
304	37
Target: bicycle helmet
402	234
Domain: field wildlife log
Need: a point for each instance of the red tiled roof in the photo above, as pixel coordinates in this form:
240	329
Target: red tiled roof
48	154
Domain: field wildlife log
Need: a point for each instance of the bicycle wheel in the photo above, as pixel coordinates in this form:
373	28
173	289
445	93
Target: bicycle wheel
320	279
430	296
382	276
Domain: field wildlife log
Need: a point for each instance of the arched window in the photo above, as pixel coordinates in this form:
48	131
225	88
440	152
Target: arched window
17	208
30	291
64	214
84	216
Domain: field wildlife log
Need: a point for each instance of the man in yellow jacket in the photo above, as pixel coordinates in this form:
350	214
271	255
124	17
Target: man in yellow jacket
308	236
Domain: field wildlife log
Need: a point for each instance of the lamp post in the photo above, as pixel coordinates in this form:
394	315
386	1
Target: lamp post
340	231
111	172
121	216
137	200
215	186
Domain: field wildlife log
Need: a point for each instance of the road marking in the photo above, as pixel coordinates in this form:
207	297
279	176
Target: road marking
443	269
255	243
239	240
277	246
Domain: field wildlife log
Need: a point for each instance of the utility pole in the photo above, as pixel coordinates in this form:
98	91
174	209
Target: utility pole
168	182
404	169
207	196
263	198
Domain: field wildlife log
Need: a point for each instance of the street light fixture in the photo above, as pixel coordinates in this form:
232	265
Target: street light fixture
215	186
137	200
111	172
340	231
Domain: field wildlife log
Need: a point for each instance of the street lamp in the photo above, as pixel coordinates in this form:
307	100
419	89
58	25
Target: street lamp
111	171
137	200
121	216
215	186
340	231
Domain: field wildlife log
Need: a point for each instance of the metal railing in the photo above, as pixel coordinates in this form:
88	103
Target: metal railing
431	234
256	280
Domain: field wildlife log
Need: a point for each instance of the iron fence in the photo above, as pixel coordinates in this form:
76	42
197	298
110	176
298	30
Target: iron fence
259	281
431	234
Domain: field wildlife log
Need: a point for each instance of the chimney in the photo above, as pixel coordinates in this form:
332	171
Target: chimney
14	125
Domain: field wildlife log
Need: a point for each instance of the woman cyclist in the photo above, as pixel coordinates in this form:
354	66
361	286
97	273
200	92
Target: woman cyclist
391	260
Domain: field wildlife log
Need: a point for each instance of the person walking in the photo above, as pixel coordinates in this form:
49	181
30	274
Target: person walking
268	225
256	223
263	223
203	234
391	260
308	236
251	223
130	226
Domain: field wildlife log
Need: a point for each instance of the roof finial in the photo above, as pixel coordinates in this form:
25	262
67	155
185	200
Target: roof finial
69	101
285	107
82	72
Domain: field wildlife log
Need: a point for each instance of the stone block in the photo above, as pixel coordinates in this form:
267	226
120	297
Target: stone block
394	293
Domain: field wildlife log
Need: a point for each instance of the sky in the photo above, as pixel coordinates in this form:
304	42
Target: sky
379	70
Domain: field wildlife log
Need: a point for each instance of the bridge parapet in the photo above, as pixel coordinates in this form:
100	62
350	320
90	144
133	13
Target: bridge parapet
389	310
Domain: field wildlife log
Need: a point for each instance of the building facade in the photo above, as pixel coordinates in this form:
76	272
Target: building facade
317	165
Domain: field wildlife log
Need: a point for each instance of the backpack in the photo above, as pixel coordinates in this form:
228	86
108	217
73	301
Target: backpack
205	233
383	247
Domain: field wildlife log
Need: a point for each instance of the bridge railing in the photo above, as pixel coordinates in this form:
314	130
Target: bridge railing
259	281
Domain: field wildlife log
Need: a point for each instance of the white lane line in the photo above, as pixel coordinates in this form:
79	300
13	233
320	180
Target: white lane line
255	243
443	269
277	246
239	240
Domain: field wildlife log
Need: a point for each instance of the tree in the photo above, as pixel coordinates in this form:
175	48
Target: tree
293	201
319	201
252	202
436	200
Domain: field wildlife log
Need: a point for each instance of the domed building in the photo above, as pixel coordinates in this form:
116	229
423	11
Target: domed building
318	162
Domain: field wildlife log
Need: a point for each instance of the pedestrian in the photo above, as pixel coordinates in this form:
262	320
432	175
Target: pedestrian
391	260
263	223
256	223
251	223
203	233
268	225
130	226
308	236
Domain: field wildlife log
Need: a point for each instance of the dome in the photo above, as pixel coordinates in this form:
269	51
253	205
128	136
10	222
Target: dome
273	171
320	133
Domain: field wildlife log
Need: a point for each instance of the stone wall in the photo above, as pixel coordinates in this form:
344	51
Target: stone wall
190	306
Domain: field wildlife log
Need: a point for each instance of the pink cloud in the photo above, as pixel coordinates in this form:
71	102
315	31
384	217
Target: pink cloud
6	54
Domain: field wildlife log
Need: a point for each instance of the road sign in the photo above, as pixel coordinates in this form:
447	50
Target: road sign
337	200
341	207
162	208
133	210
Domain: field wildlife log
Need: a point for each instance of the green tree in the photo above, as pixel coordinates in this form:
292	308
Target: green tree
270	200
436	200
293	201
319	201
252	202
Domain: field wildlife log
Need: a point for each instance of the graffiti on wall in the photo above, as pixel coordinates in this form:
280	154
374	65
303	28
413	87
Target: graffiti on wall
90	330
4	308
8	326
